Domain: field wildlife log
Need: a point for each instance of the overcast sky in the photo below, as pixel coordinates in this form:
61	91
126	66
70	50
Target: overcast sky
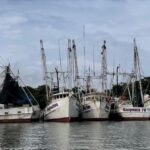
24	22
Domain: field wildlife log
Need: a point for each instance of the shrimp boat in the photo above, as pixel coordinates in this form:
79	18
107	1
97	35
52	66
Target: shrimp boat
94	107
126	111
63	108
15	104
137	107
63	104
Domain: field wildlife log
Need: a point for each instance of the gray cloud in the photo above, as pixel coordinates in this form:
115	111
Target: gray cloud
24	22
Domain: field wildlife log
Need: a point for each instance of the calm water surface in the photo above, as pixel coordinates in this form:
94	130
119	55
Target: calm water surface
76	136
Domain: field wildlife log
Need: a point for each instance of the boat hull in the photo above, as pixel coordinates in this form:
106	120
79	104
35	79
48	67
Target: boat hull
15	120
19	114
62	110
66	119
130	113
94	111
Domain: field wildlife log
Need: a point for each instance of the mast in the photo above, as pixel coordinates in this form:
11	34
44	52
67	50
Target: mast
57	78
84	48
137	70
59	55
93	61
76	63
117	70
69	64
44	69
59	48
104	68
88	82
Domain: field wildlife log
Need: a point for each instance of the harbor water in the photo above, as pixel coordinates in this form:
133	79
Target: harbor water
76	136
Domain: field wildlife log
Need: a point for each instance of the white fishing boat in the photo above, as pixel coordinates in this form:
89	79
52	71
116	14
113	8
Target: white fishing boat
25	113
126	111
94	107
94	104
137	107
15	104
63	106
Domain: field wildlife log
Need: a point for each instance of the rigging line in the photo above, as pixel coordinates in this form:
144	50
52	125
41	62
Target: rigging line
60	61
93	60
25	91
147	87
21	87
29	91
3	61
27	96
10	94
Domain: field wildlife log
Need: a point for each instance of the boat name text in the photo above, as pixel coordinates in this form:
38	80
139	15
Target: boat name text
52	106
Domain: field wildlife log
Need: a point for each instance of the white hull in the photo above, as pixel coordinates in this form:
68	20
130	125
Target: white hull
136	113
19	114
94	110
63	109
128	112
94	107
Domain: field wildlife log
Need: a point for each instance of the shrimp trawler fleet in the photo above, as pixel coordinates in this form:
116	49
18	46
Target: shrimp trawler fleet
68	100
15	104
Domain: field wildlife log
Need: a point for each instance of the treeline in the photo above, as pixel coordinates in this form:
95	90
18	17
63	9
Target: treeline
39	93
117	90
122	88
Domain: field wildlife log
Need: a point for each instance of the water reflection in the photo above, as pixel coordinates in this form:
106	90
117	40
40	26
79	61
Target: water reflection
76	136
10	135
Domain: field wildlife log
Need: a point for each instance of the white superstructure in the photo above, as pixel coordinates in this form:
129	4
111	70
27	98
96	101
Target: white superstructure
19	114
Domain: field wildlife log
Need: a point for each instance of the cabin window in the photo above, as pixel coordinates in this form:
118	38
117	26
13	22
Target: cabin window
6	113
60	96
88	107
19	112
88	98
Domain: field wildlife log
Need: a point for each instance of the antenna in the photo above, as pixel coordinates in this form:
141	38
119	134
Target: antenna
84	48
60	62
93	61
60	55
